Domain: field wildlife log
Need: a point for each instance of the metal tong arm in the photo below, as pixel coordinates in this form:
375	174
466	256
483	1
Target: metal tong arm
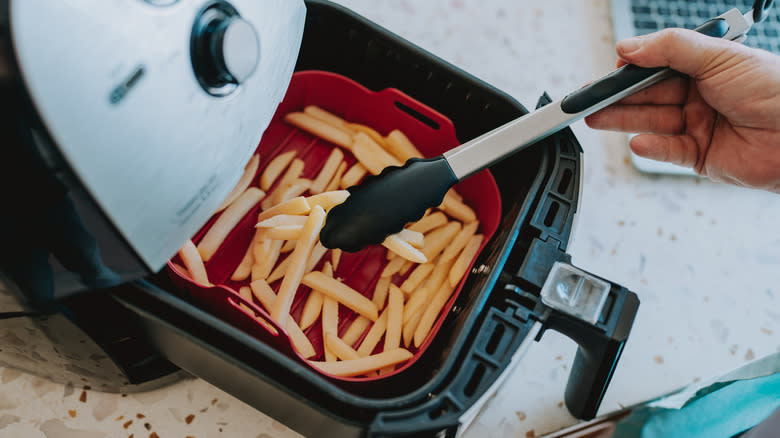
493	146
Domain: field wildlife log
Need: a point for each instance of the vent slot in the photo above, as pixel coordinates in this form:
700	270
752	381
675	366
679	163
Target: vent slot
551	213
495	339
565	181
417	115
475	380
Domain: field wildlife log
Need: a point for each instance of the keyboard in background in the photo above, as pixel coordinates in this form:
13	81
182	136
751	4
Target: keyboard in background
652	15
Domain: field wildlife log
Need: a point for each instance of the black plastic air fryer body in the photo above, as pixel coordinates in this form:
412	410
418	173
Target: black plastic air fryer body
140	332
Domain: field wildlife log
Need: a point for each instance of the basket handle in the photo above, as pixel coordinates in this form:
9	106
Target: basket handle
600	346
412	109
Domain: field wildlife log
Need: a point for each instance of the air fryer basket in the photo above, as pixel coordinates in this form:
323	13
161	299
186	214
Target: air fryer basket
498	310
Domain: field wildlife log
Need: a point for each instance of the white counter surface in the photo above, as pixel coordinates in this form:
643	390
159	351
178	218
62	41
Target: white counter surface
704	258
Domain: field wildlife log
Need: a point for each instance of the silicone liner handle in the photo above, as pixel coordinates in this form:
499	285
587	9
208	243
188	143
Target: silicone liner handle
381	205
627	76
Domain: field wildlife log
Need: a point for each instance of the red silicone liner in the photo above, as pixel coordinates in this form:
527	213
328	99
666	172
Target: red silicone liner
383	111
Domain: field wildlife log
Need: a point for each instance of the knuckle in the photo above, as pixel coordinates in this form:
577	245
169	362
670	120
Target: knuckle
672	35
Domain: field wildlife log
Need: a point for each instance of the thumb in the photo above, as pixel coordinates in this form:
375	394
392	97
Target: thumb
683	50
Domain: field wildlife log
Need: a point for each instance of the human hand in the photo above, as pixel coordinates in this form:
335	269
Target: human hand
722	119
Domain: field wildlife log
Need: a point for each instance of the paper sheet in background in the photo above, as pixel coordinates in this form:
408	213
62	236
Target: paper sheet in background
721	407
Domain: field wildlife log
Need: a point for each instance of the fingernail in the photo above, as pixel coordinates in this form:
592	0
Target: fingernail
629	45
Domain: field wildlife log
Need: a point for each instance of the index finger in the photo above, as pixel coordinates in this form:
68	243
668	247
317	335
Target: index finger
672	91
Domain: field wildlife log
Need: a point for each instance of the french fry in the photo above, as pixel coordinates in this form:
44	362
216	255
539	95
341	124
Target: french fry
293	173
395	312
357	367
192	261
288	246
401	247
327	117
459	241
227	221
416	302
256	273
353	176
464	259
339	347
457	209
282	220
311	309
335	258
415	238
380	292
180	269
454	194
393	267
330	322
246	178
245	266
355	330
292	278
261	245
296	188
320	129
374	335
279	270
266	264
284	232
259	318
327	172
299	339
317	253
410	326
431	312
261	249
405	267
400	146
429	222
275	168
437	240
341	292
371	132
285	192
439	275
335	182
328	200
246	293
313	306
297	205
416	277
371	155
263	292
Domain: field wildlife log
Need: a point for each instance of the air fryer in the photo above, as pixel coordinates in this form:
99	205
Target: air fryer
128	329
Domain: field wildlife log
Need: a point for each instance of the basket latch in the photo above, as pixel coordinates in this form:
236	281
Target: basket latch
574	291
598	315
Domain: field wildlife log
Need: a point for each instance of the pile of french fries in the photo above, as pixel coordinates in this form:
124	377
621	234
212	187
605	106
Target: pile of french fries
425	261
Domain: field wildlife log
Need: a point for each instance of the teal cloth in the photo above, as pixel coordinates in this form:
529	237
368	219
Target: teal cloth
723	408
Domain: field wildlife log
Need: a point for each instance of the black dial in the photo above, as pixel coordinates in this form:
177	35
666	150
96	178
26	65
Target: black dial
225	49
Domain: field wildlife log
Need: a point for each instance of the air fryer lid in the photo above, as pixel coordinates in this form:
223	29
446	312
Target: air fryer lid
156	108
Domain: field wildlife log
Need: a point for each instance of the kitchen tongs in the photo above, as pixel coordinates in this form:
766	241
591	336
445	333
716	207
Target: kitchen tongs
383	204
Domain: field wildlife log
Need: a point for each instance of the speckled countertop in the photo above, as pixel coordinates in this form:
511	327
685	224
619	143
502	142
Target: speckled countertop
704	258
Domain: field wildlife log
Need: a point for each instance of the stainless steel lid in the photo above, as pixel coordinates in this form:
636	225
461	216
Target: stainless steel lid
156	105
